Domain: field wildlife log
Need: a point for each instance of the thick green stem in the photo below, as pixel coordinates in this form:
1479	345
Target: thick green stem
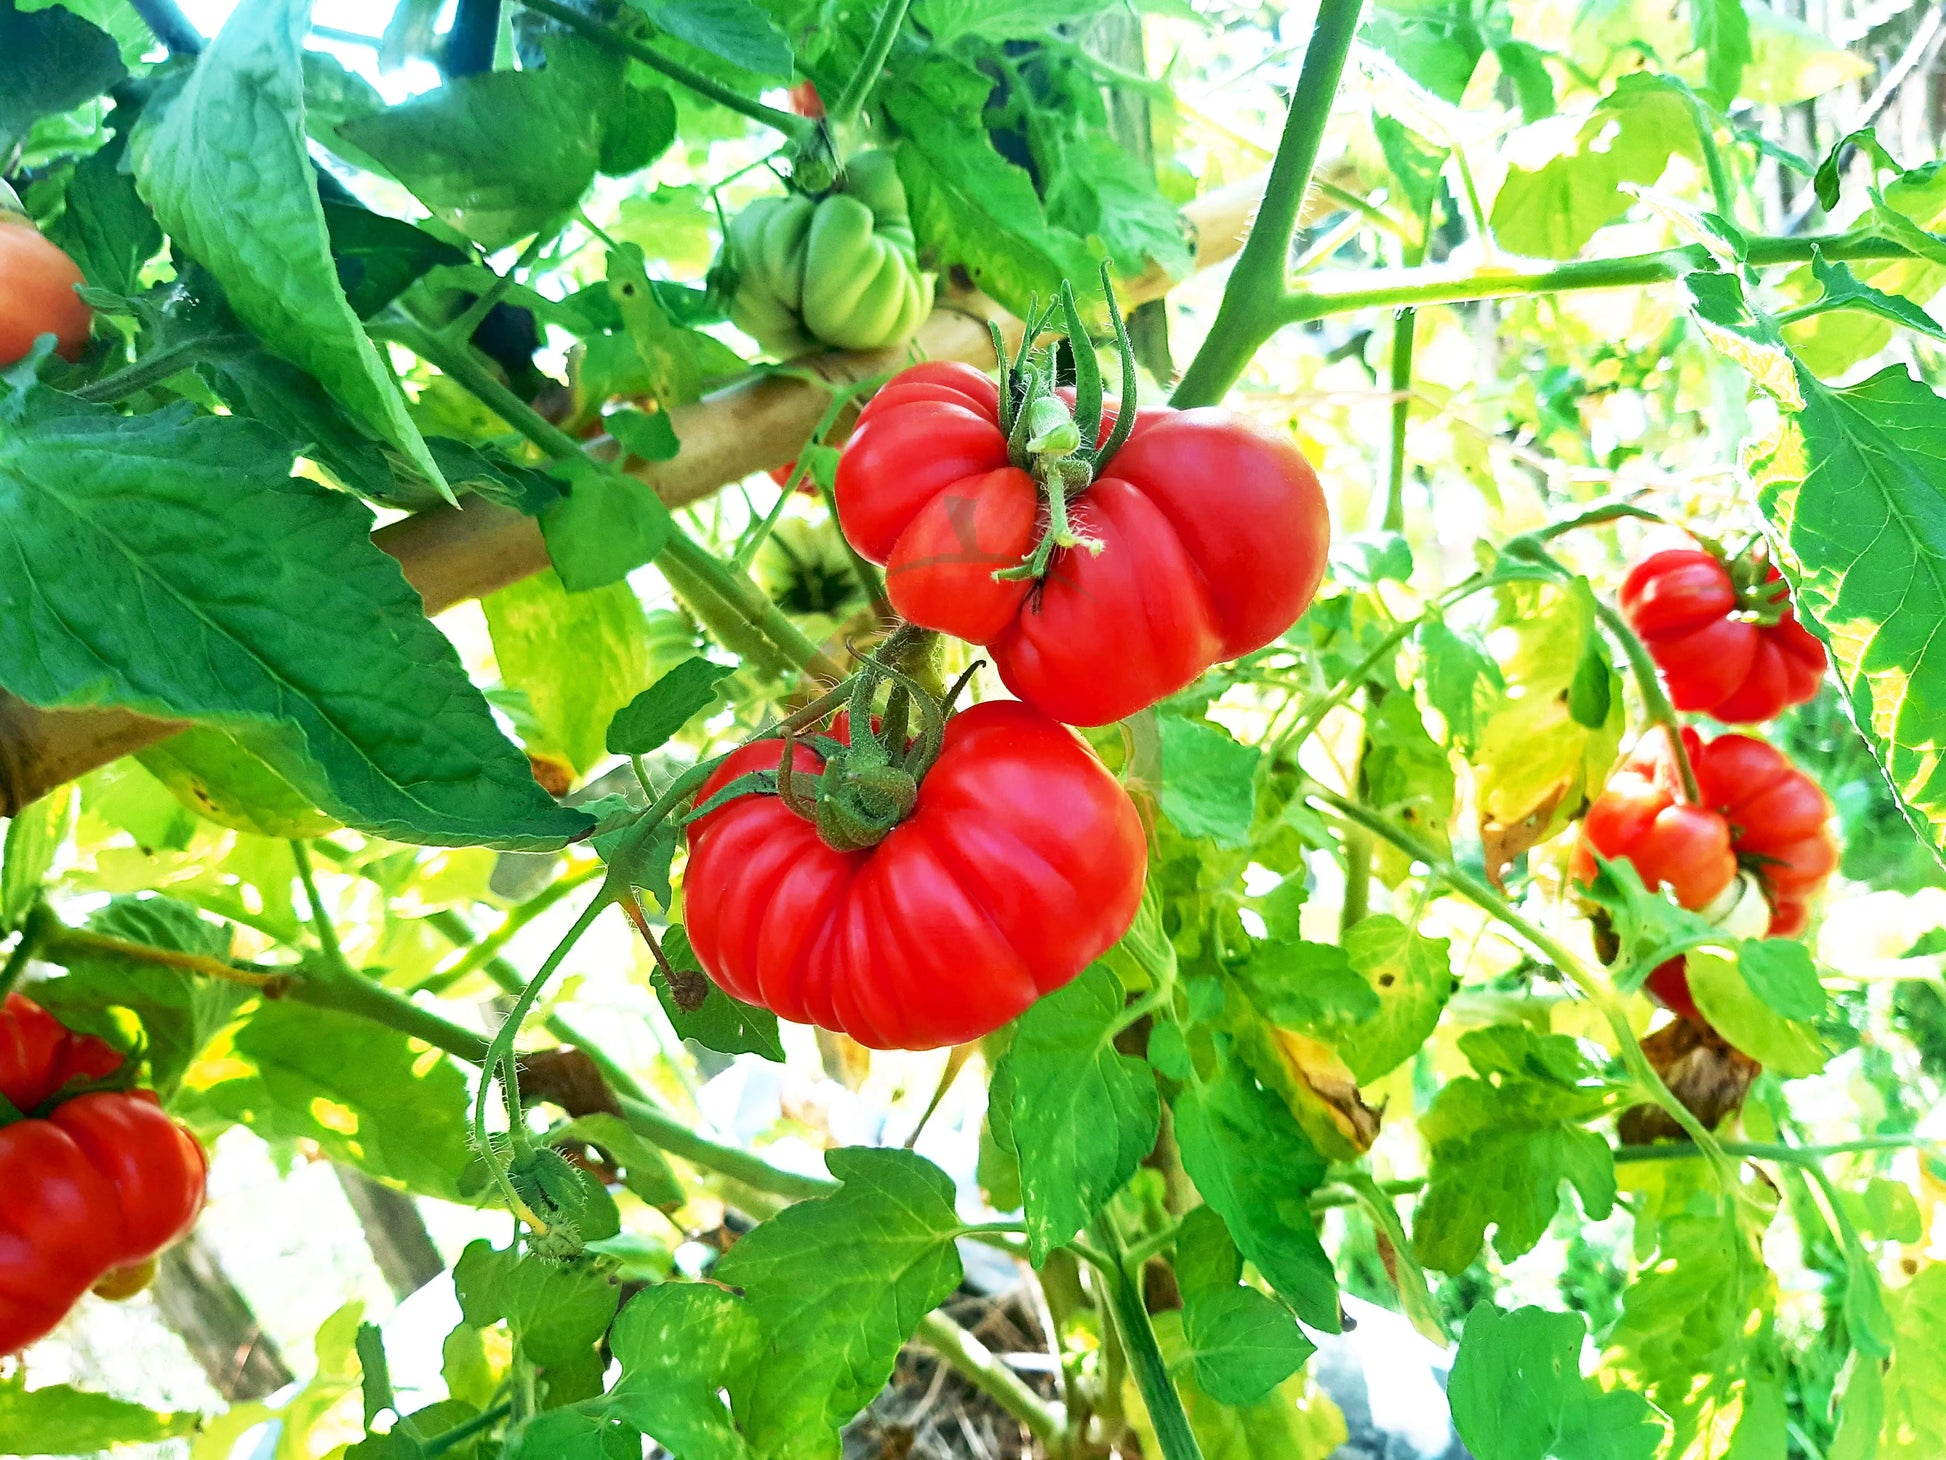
1655	697
1146	1364
968	1356
1720	186
164	364
847	107
358	995
1249	313
663	1129
1437	284
1405	326
798	129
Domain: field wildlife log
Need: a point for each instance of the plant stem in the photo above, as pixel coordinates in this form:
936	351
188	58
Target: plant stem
160	365
663	1129
484	952
1777	1151
736	589
1655	698
439	1444
1146	1364
1248	314
1405	326
862	80
334	953
168	24
356	994
798	129
1720	188
60	940
1439	284
969	1357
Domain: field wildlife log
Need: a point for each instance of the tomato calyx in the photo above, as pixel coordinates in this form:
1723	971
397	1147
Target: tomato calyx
1063	450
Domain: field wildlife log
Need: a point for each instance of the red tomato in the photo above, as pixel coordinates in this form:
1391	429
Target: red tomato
37	293
805	100
1213	536
104	1183
1022	861
38	1054
1683	603
1758	811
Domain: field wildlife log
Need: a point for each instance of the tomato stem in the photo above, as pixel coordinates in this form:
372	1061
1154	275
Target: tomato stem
1146	1363
1655	698
851	101
33	932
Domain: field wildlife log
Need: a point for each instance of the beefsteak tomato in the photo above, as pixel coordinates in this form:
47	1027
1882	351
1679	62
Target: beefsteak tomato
39	1054
1717	653
1021	861
103	1184
1209	539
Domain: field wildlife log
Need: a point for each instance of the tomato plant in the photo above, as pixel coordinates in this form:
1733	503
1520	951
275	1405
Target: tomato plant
925	728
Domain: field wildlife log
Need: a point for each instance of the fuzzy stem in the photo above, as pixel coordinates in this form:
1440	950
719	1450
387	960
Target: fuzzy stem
1146	1364
969	1357
884	34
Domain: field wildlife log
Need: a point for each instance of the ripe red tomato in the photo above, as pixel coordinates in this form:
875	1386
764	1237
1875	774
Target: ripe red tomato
106	1182
805	100
1758	812
38	1054
1213	536
1684	604
38	297
1021	862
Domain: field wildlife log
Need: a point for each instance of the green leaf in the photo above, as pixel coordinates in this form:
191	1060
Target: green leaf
578	657
57	1419
1915	1400
1415	165
503	155
721	1023
679	1344
1253	1164
106	228
1781	972
1850	487
1308	986
645	1170
1296	1422
1502	1145
1083	1115
999	20
1845	290
1690	1339
378	257
176	1014
1409	779
1435	42
217	778
1741	1016
647	434
647	722
1884	1211
136	536
1411	975
1244	1344
227	171
50	61
736	31
1458	678
1209	784
558	1310
1721	30
639	127
1518	1394
368	1095
608	526
34	836
1550	209
1524	65
837	1285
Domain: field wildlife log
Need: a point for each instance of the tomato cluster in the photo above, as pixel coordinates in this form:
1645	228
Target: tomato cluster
96	1184
1726	642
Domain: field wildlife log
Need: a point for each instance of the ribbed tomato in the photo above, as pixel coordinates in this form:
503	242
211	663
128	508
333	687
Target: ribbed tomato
106	1182
1022	860
38	1054
1757	811
1212	534
1715	655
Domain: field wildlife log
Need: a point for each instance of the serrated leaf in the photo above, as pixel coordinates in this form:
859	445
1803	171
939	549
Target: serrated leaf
58	1419
1243	1344
1083	1114
1435	42
557	1310
1845	290
1501	1146
645	1170
1721	30
131	537
1782	973
608	526
578	657
1252	1163
1411	976
1208	784
1518	1394
378	257
736	31
1307	986
1296	1422
837	1285
106	228
363	1092
1915	1401
228	173
679	1344
647	722
1408	780
647	434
